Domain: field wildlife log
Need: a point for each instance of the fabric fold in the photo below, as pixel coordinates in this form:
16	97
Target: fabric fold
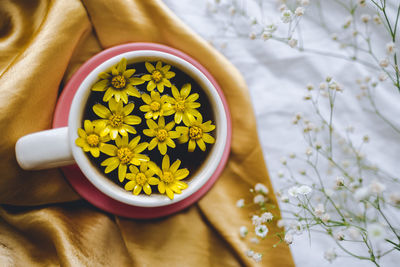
37	61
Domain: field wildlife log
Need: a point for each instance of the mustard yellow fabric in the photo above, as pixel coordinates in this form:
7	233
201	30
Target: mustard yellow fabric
42	220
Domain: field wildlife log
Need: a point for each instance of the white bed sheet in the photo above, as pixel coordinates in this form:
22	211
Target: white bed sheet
276	76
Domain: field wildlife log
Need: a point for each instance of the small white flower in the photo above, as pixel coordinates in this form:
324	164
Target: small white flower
266	36
384	63
259	199
270	28
283	161
394	198
240	203
339	181
339	236
232	10
365	18
266	217
292	43
319	210
257	257
305	2
377	19
299	11
254	240
354	233
243	231
261	230
376	231
288	238
361	193
382	76
348	21
322	86
377	187
249	253
260	188
282	7
293	191
284	198
297	227
252	36
330	255
304	190
334	36
280	223
309	151
390	47
281	174
286	16
326	217
361	2
256	220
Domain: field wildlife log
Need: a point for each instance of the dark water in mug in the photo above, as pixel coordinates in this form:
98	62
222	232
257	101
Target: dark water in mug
190	160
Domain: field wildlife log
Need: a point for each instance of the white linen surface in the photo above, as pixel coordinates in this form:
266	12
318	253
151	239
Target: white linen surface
277	76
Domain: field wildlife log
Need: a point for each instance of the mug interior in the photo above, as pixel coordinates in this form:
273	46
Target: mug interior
98	178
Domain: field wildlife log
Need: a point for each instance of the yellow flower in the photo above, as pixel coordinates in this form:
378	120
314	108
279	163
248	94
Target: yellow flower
122	154
156	105
183	104
162	134
118	83
117	118
196	132
90	139
140	179
159	76
170	177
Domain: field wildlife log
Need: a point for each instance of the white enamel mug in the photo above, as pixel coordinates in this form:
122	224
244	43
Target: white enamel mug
56	147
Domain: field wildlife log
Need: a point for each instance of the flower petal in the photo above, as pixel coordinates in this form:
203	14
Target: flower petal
185	91
147	99
162	147
153	181
169	126
108	94
166	82
128	109
174	134
181	174
165	163
130	129
169	142
147	189
137	189
130	185
201	144
140	147
166	68
113	133
108	149
178	117
208	138
101	111
122	172
87	124
175	92
100	86
145	108
146	77
136	81
133	143
161	122
191	145
169	75
121	67
132	120
151	124
175	166
160	87
192	97
151	85
158	65
128	73
95	151
149	67
169	192
153	143
161	187
104	75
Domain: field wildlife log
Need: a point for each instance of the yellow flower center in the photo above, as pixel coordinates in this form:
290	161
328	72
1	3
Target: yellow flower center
118	81
116	120
195	132
157	76
93	140
162	135
141	178
155	106
167	177
125	155
180	105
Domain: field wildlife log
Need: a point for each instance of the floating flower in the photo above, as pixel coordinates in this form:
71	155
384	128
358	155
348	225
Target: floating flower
170	177
162	134
243	231
156	106
118	83
140	179
288	238
123	154
196	132
240	203
117	118
159	76
90	139
261	230
183	103
261	188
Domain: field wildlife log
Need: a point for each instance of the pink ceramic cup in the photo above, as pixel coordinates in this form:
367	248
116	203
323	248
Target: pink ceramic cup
56	147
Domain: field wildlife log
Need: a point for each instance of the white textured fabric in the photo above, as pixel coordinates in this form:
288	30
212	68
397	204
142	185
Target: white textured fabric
277	76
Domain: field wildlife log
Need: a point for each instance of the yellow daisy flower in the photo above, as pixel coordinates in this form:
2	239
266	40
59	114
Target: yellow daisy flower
170	177
156	105
162	134
122	154
183	104
90	139
140	179
117	118
196	132
159	76
118	83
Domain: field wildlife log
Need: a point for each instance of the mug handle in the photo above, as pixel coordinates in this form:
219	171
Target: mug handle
44	150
